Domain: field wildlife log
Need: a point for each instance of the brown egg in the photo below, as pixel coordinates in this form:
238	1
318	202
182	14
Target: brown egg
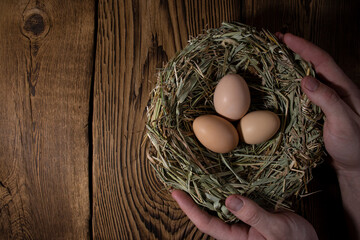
258	126
215	133
232	97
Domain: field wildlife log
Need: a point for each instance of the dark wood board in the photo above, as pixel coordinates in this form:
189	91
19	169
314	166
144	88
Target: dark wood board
139	41
332	25
135	38
46	50
73	109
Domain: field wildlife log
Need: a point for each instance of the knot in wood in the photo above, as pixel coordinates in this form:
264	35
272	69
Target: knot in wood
36	24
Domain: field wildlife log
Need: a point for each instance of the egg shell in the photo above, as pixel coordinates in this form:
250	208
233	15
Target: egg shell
232	97
215	133
258	126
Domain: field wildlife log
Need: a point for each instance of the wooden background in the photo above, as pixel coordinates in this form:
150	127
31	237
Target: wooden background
74	83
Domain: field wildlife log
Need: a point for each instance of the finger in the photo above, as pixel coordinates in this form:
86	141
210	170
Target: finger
326	67
205	222
322	61
280	36
326	98
251	213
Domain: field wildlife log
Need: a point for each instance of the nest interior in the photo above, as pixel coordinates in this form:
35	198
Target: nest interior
271	173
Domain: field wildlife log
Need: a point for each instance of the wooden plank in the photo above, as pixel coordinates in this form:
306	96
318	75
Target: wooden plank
134	39
46	50
333	25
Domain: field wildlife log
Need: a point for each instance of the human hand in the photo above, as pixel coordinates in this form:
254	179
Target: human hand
338	97
257	223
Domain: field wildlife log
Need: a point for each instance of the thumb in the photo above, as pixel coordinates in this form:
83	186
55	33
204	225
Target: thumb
325	97
252	214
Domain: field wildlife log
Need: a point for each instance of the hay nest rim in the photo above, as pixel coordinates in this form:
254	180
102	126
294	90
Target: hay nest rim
273	173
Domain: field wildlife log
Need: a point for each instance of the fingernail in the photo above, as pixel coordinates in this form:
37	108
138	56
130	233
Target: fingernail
311	83
234	203
279	35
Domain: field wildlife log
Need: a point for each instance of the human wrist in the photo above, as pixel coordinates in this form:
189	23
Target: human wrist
344	174
346	171
349	183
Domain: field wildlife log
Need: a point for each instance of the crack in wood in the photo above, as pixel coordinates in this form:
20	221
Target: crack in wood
6	187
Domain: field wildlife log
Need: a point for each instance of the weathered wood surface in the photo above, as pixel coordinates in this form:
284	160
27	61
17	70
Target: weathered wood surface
46	50
331	24
46	161
134	39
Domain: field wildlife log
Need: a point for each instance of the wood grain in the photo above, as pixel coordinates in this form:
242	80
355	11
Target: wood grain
53	183
46	50
330	24
134	39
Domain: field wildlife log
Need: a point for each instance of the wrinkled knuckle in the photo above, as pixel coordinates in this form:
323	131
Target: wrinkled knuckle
281	228
331	97
204	226
326	57
201	227
289	221
252	217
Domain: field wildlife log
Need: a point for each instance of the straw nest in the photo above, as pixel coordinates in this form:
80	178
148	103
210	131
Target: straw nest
273	173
